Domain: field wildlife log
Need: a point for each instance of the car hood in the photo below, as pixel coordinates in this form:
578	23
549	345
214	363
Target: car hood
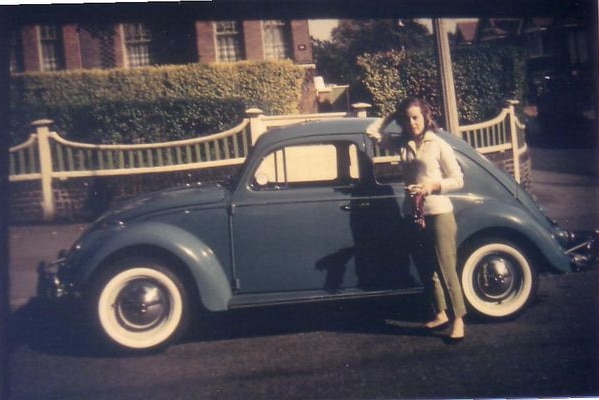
173	198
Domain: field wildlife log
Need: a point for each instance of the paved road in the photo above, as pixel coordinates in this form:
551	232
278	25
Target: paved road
332	351
566	184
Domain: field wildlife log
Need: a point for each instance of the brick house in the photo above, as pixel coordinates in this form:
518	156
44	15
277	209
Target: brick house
130	44
557	49
561	72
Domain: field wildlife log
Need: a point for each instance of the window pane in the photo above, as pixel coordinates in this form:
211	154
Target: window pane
277	40
138	38
16	52
229	41
299	164
51	47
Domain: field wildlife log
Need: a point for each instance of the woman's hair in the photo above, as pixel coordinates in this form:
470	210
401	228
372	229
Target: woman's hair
401	110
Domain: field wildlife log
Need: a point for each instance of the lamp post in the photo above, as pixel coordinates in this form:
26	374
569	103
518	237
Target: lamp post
445	71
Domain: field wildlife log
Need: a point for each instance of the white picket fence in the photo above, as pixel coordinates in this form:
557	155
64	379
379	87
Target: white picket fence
46	156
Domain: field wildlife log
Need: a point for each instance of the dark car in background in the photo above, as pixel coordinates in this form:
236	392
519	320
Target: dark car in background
312	216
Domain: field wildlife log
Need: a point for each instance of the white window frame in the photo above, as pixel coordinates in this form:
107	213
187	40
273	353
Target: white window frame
51	55
278	48
234	50
141	43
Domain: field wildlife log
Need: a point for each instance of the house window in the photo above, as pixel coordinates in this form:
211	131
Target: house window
277	40
16	52
229	41
577	46
538	44
138	39
52	56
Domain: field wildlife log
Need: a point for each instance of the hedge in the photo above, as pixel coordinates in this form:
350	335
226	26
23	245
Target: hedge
152	103
484	76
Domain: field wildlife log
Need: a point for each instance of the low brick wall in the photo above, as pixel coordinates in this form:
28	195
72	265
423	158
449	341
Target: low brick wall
84	199
505	161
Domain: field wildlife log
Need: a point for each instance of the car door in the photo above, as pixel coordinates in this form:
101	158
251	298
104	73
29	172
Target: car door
314	217
291	226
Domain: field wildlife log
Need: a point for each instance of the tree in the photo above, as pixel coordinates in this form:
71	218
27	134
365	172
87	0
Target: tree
379	35
336	59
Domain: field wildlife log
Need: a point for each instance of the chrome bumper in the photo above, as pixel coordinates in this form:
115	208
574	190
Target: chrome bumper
584	250
53	283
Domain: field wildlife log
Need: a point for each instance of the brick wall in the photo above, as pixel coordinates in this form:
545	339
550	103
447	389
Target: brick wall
84	199
72	47
26	202
302	47
505	161
31	52
205	42
84	50
252	35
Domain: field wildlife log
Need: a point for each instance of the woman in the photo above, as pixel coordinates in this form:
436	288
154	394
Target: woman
431	171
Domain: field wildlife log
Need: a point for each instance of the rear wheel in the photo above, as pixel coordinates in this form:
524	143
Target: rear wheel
498	279
140	305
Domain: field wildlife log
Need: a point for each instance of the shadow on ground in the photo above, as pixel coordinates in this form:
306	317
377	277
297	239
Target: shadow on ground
51	329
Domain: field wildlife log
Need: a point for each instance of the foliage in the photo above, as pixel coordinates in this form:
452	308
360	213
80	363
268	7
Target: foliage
135	122
153	103
377	35
336	59
485	77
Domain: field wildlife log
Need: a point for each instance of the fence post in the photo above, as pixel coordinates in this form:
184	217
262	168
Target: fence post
514	139
257	128
42	127
361	109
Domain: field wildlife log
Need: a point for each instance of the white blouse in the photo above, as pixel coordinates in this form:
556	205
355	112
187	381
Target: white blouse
435	162
432	161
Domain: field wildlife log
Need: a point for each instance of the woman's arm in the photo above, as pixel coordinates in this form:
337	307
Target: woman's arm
375	131
453	179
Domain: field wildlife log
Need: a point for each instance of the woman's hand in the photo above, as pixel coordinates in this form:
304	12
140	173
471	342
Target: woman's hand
428	188
373	131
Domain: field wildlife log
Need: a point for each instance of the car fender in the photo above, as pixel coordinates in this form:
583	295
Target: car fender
210	277
493	215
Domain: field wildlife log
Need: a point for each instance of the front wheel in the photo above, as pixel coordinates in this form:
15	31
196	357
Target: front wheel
498	279
140	305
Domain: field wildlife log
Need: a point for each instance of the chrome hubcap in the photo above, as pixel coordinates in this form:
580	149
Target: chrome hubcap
142	305
495	278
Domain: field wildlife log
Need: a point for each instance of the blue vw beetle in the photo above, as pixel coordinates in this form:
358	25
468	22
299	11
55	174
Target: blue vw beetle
312	216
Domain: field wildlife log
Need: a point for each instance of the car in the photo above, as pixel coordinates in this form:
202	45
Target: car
313	215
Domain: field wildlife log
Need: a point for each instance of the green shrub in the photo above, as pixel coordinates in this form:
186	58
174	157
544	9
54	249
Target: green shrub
154	103
134	122
485	78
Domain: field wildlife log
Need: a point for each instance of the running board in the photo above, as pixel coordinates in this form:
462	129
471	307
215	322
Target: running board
282	298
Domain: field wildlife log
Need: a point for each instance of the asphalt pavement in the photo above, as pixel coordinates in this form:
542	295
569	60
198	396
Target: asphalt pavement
565	182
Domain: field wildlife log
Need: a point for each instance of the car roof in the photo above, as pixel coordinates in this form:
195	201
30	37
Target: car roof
343	126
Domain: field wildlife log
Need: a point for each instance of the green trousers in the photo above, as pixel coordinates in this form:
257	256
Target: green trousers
435	254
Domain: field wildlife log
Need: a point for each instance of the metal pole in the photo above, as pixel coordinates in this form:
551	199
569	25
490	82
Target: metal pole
450	108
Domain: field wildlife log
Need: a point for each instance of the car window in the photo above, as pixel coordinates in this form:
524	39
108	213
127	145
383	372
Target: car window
388	169
323	164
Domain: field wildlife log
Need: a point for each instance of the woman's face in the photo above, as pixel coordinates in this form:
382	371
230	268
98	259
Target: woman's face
415	120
